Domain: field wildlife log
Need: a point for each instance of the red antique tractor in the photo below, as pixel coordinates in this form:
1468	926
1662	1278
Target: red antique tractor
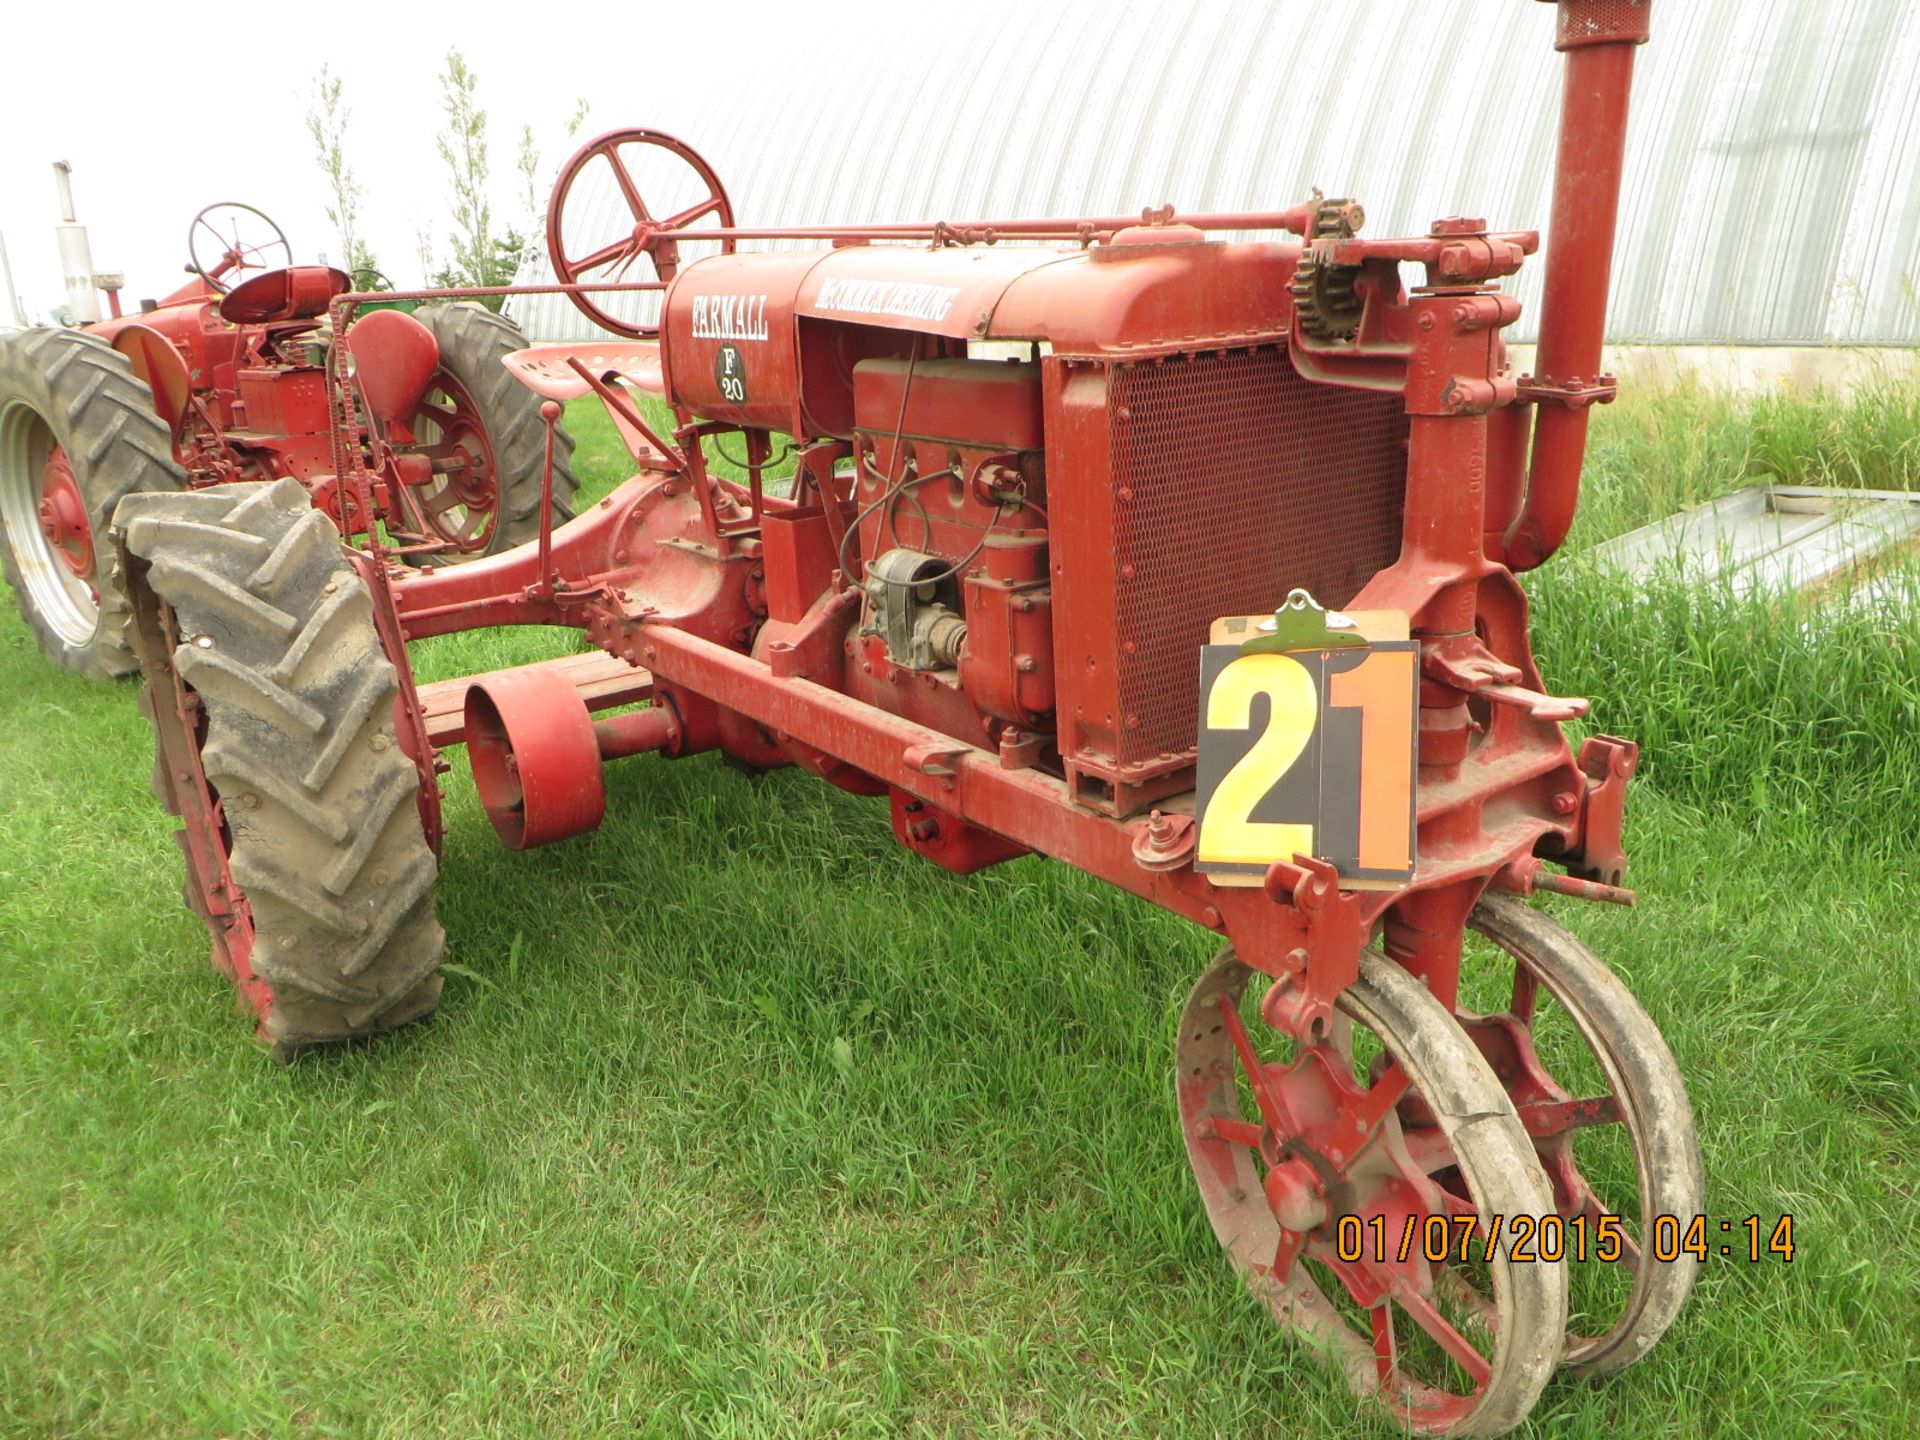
224	381
1188	561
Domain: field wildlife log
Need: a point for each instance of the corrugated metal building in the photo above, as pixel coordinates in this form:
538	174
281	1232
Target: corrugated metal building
1772	193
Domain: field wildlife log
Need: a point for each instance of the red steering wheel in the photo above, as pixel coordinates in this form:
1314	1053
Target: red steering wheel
617	255
237	237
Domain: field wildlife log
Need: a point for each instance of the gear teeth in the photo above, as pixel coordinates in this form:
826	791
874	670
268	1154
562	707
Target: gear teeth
1323	297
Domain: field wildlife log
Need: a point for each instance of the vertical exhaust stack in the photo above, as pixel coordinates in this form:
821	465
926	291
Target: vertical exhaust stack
13	296
1598	38
76	256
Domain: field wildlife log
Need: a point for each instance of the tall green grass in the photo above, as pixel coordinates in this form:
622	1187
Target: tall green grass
737	1119
1752	708
1802	711
1659	450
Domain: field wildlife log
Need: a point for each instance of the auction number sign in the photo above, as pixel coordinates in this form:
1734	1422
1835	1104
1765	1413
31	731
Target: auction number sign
1308	752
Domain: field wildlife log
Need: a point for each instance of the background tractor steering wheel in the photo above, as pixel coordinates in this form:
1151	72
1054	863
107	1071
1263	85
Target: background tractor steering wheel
227	238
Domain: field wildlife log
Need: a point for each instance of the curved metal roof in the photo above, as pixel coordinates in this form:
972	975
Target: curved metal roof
1772	191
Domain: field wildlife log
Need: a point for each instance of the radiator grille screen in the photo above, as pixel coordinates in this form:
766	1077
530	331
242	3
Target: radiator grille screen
1245	481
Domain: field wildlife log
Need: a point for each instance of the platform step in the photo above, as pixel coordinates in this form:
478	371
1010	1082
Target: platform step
603	681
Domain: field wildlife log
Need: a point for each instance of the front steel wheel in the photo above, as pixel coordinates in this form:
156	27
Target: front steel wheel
1309	1175
1602	1098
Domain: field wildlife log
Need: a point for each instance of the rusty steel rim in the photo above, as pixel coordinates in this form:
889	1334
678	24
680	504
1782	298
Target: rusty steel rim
460	506
45	520
1646	1167
1283	1150
180	779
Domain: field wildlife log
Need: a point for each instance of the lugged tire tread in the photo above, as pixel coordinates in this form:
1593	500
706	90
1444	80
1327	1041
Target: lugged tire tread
103	416
300	745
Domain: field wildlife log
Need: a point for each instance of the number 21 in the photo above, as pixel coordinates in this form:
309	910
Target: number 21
1378	687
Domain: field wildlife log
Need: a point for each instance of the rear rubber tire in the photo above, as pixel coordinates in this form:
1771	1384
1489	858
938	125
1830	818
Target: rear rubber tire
473	342
73	390
314	804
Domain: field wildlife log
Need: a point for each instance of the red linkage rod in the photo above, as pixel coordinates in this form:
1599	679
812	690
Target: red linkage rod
1295	220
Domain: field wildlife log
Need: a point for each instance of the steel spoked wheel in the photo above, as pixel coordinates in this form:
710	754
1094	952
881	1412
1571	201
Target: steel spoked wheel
38	492
1599	1092
77	433
481	432
460	505
1309	1175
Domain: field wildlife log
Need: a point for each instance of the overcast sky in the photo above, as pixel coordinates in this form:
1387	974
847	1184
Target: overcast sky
74	86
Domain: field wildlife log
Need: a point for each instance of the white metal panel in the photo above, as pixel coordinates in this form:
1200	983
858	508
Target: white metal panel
1772	189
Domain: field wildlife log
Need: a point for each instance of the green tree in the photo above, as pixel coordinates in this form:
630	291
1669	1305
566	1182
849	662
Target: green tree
473	249
533	203
367	274
327	117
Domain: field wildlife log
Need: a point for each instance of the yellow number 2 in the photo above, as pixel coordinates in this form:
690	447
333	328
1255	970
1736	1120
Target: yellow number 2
1228	835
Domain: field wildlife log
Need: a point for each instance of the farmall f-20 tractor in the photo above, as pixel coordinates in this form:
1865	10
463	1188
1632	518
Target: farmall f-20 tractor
1187	561
225	380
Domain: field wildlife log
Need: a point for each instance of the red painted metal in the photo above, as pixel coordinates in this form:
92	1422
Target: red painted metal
252	380
655	238
298	293
639	732
1162	503
536	751
447	488
181	779
1320	509
536	759
548	371
63	515
228	238
158	363
394	358
602	681
1599	38
985	595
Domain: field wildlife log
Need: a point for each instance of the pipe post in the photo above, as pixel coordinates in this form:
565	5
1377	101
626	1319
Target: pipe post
1598	38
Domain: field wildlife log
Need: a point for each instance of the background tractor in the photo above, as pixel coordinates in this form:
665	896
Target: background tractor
1189	561
225	380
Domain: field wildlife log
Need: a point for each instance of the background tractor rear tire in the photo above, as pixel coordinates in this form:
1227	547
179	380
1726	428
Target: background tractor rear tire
298	805
69	403
473	341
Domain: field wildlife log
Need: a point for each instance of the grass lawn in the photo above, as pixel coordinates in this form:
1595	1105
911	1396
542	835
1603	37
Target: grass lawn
738	1119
